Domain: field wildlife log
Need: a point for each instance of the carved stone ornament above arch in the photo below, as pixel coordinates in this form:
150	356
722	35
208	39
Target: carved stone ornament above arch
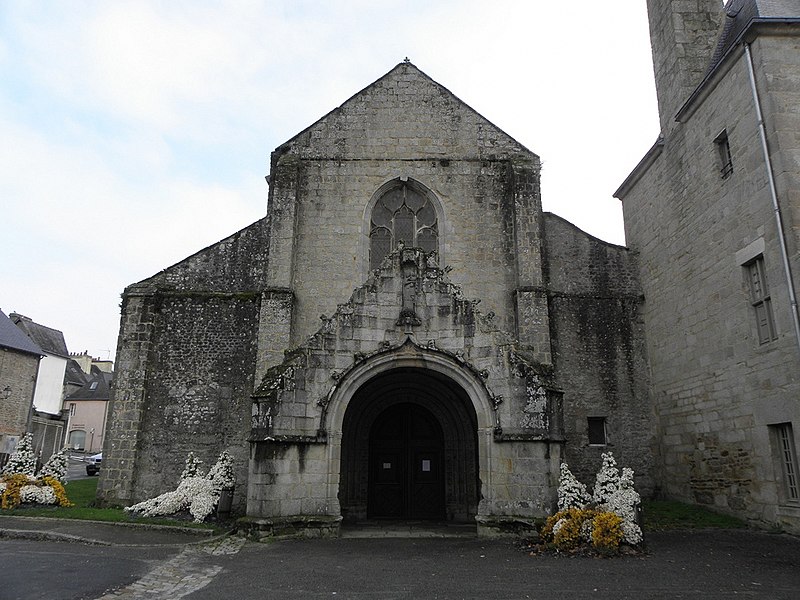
409	355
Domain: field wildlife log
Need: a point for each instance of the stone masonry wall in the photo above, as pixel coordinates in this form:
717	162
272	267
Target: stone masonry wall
684	34
599	350
716	389
200	377
17	372
127	400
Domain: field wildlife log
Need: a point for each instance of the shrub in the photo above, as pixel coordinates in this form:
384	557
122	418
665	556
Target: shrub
23	460
56	466
604	519
607	531
20	485
571	492
196	493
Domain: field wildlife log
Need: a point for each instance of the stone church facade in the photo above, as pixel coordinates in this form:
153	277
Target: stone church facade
404	335
407	335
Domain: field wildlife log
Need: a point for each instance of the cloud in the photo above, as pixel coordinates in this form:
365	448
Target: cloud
136	133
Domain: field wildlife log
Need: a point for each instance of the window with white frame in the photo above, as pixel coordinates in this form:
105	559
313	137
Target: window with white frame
77	439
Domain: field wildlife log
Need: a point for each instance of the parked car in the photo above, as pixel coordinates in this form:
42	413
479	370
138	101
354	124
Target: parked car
93	464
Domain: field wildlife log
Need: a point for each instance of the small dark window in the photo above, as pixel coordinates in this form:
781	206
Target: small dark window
597	431
724	154
760	299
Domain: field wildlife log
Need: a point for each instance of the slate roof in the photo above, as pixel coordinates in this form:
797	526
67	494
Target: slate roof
97	387
741	13
48	339
12	337
74	375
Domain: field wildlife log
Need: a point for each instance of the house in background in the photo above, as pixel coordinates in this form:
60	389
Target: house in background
87	407
19	365
86	361
48	424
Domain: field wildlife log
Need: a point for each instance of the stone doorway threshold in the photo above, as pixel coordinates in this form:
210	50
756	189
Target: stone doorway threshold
408	529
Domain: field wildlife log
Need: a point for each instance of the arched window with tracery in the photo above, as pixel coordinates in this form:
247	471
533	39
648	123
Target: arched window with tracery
405	215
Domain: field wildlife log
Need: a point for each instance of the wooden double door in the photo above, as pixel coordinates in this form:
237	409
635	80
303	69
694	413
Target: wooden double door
406	474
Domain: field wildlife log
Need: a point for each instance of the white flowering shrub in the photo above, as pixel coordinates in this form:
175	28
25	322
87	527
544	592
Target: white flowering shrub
571	492
191	467
625	503
56	466
34	494
222	472
23	460
196	493
607	480
613	493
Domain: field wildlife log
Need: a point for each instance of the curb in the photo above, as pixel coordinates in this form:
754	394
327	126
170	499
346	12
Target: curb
206	535
49	536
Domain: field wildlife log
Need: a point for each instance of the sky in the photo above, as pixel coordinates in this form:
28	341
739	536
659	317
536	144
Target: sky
133	134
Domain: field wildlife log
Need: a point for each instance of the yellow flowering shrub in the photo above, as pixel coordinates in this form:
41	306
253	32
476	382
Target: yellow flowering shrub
566	528
13	484
606	531
550	522
12	491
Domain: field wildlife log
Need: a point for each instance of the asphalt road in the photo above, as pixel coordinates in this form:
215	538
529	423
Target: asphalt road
702	564
76	469
40	570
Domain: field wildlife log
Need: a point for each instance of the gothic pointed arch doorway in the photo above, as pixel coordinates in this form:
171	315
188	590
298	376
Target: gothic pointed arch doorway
409	449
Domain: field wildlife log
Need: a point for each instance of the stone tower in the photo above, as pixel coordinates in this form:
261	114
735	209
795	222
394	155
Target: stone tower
683	36
701	213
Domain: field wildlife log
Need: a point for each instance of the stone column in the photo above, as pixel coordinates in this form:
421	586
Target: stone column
274	329
128	397
530	296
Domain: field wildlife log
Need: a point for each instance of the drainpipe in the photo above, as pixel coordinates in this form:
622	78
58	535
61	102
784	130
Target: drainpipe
773	191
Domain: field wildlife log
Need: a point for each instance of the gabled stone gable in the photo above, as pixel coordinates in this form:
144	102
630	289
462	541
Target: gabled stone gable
407	306
404	114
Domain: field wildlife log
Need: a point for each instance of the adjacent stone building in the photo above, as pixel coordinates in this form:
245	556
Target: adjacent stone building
713	214
404	335
19	364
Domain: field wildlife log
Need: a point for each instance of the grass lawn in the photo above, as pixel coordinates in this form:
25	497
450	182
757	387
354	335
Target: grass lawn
658	515
663	515
81	493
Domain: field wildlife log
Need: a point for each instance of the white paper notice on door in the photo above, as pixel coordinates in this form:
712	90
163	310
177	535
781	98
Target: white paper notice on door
426	465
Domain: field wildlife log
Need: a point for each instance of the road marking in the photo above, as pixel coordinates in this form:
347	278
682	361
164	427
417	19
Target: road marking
181	575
